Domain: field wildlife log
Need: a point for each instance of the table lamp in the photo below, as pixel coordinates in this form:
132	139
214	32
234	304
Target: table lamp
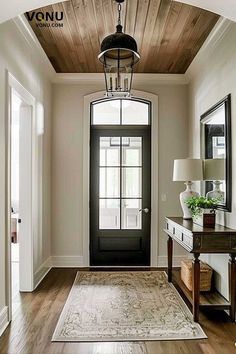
214	171
187	170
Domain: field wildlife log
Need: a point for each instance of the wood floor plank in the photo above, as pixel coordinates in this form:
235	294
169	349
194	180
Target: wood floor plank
37	314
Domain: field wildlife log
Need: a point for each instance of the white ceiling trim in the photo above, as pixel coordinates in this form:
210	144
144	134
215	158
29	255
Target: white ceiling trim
30	37
215	37
138	78
225	8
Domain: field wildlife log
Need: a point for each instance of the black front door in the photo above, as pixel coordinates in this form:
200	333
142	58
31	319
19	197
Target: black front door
120	189
120	183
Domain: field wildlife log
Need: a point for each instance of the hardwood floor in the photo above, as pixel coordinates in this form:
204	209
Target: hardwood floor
35	318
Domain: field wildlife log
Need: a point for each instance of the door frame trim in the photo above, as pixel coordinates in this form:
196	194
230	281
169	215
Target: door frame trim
13	83
88	99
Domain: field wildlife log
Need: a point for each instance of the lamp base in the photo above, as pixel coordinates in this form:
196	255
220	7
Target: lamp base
216	193
188	193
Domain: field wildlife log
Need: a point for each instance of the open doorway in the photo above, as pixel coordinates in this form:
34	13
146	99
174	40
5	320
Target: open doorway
21	195
16	103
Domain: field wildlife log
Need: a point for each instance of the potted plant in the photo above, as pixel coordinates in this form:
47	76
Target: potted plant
203	210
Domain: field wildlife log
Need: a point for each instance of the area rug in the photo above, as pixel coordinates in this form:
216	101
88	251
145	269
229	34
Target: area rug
124	306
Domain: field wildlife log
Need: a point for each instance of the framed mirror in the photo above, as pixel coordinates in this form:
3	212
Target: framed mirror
216	153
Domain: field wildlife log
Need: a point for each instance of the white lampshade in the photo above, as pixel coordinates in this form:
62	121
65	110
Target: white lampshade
214	169
188	170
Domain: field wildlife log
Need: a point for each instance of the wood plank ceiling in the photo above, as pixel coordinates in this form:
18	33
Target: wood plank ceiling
169	34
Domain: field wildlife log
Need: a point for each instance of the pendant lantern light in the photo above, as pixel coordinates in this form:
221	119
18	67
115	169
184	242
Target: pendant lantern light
118	55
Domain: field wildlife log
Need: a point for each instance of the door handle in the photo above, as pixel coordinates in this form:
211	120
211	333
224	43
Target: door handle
19	221
145	210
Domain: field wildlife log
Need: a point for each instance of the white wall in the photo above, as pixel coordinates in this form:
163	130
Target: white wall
213	77
20	57
67	164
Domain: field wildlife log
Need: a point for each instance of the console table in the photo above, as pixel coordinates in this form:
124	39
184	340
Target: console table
196	240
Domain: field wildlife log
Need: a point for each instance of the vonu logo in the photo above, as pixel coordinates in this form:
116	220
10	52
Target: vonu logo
47	16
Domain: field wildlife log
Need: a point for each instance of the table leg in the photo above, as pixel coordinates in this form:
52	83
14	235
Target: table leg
232	285
196	286
170	256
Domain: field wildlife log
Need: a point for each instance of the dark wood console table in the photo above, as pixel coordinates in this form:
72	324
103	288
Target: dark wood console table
196	239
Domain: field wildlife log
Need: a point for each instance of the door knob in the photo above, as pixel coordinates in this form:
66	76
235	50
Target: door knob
19	221
145	210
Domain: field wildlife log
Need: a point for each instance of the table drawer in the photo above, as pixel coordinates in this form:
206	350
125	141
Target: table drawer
220	242
233	242
171	228
188	240
179	234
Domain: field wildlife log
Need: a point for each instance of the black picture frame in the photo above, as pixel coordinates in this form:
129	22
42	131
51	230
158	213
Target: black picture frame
226	102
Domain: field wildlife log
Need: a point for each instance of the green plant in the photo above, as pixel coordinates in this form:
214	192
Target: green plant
196	204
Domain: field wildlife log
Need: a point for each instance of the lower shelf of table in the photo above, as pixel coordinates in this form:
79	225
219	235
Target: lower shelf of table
211	299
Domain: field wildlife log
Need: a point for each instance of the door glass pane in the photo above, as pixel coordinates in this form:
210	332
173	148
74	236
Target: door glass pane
109	151
109	182
106	113
131	182
109	214
131	216
135	112
132	151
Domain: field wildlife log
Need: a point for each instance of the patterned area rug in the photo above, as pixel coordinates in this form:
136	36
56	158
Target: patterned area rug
124	306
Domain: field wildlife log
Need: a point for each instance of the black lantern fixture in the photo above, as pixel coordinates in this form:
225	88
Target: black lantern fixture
118	56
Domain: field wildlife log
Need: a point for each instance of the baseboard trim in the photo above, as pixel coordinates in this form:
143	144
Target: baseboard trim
78	261
41	272
162	261
66	261
4	322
